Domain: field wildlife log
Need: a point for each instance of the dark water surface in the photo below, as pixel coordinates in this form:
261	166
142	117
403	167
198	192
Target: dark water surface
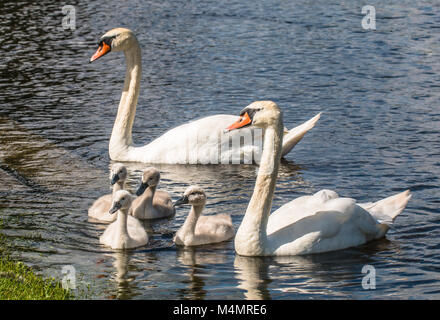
379	134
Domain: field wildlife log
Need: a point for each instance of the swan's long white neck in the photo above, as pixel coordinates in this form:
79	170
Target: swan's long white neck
147	199
122	222
118	186
189	226
121	139
251	235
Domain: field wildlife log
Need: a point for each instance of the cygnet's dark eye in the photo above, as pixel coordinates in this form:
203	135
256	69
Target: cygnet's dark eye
196	194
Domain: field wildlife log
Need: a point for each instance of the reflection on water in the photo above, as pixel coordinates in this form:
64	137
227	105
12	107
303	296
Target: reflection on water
253	275
305	276
196	261
378	135
121	264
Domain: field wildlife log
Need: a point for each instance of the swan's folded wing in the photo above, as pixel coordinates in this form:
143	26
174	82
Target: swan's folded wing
99	209
163	200
305	206
212	229
295	135
303	236
198	141
381	218
386	210
288	213
136	231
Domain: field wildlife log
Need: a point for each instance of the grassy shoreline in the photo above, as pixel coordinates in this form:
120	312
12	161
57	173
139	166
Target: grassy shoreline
20	282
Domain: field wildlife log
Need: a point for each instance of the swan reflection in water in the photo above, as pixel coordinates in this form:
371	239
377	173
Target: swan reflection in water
123	280
254	277
306	276
198	261
204	268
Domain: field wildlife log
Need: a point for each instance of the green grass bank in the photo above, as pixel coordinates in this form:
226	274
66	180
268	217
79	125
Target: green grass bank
20	282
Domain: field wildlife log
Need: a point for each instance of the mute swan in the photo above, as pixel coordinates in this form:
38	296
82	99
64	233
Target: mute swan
101	206
151	203
198	230
126	232
311	224
199	142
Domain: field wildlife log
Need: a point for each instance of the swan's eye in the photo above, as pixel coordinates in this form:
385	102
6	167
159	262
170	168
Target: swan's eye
249	111
108	40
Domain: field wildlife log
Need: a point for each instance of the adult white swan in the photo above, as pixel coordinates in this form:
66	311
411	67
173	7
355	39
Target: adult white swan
311	224
201	141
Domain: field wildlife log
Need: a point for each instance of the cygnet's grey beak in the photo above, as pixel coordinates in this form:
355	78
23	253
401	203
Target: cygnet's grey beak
116	206
183	200
141	189
115	178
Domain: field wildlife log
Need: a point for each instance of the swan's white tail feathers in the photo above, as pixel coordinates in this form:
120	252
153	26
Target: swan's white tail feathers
386	210
292	137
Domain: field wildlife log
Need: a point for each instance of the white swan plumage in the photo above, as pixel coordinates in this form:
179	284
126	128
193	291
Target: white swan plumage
202	141
151	203
383	211
101	206
126	232
309	224
198	229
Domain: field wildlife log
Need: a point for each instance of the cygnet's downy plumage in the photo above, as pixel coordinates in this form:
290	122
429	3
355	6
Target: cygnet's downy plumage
101	206
151	203
126	232
198	229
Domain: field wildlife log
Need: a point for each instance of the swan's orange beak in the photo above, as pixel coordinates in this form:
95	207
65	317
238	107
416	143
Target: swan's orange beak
102	50
244	120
